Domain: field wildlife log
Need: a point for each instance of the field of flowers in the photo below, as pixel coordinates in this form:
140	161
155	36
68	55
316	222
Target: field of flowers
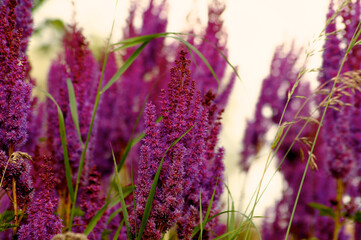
126	145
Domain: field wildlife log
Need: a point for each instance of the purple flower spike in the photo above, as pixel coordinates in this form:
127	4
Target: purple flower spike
191	167
77	64
42	223
90	202
15	92
24	22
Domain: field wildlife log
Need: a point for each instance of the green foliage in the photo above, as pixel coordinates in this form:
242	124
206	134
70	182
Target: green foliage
5	220
357	217
73	108
122	201
323	210
56	24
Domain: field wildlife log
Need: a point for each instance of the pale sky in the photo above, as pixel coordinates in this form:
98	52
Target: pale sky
254	30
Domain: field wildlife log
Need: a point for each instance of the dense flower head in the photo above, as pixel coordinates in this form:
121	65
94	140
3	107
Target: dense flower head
191	167
24	22
78	64
42	223
15	91
125	100
122	104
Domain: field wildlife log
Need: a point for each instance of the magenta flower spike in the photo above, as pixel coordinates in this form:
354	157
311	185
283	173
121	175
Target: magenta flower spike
42	222
77	64
91	200
191	167
15	90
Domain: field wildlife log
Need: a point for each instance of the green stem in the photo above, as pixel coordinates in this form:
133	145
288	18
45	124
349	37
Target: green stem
338	223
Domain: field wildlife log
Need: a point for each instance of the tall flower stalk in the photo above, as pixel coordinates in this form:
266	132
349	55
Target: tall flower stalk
15	99
191	169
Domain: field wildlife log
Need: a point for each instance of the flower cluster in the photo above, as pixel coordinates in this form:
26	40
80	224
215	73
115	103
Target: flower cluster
90	202
191	176
15	91
148	75
78	64
192	168
42	223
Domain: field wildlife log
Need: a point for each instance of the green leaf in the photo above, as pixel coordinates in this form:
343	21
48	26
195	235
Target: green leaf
68	174
5	226
231	221
113	215
148	205
95	219
124	67
200	217
74	109
78	212
37	4
116	235
198	227
122	201
357	217
7	216
207	213
323	210
137	40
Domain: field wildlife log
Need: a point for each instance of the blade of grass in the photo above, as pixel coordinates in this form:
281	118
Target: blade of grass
200	216
148	205
124	67
95	219
96	105
144	38
122	201
137	40
356	35
115	213
116	235
250	223
231	222
208	209
64	145
73	108
198	227
101	211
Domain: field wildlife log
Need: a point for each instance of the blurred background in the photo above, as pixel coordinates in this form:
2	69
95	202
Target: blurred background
254	28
